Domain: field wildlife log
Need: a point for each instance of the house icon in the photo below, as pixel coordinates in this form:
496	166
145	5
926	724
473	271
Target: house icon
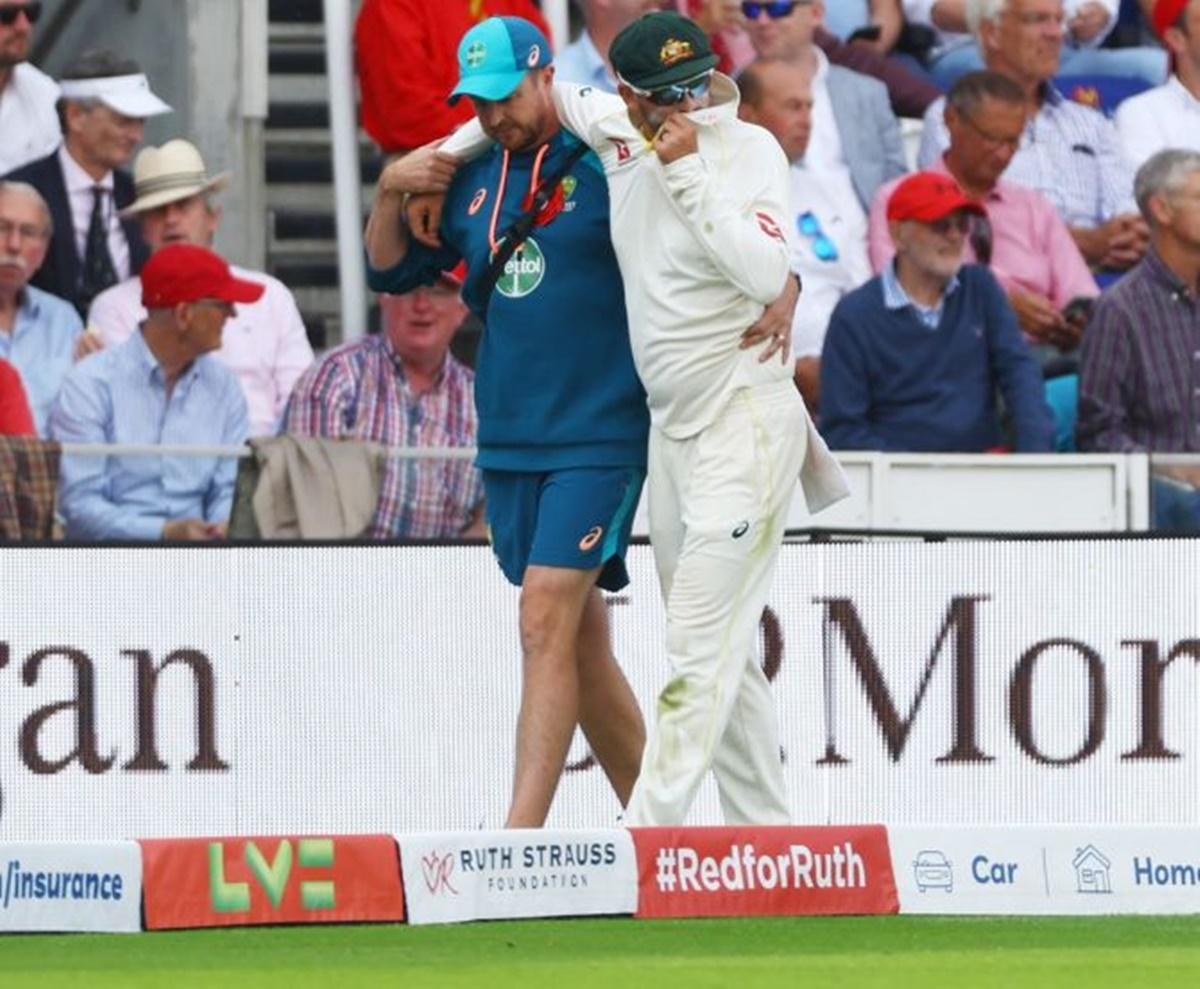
1091	870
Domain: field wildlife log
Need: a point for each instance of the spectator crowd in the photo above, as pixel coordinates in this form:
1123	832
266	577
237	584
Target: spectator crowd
995	218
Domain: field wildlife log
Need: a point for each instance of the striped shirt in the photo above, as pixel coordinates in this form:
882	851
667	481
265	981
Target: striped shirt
1139	375
359	391
1069	153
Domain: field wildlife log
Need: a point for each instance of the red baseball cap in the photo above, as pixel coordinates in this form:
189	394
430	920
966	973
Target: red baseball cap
1166	13
187	273
929	196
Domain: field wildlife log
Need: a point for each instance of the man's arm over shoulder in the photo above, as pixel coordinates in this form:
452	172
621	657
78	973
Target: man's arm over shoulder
1107	376
1015	368
738	217
593	115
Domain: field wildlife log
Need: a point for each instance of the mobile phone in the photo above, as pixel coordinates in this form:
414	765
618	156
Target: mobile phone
1079	309
868	32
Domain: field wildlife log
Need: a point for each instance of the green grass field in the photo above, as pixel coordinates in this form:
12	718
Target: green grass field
892	952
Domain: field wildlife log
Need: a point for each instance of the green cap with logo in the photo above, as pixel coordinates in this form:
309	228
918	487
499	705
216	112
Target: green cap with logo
494	56
660	49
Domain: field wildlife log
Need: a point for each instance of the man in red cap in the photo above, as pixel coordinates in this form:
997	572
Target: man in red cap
912	360
1167	116
159	387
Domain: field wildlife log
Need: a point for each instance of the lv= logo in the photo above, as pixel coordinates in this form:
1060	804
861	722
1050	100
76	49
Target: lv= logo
273	876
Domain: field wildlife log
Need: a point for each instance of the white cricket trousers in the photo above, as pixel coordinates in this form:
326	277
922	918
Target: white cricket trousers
718	506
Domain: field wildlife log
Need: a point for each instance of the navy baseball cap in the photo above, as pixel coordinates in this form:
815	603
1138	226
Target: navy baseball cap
494	56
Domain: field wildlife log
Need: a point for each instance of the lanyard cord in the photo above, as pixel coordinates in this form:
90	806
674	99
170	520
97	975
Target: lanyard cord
533	184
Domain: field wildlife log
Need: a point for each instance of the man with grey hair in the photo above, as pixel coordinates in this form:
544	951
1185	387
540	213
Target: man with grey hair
1139	378
103	109
1086	23
27	95
37	331
1069	153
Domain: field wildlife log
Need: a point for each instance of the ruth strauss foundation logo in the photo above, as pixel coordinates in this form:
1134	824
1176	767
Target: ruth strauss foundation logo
79	708
438	868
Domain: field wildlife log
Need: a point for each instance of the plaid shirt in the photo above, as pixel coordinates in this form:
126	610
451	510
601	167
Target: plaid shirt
28	487
1139	375
358	391
1069	153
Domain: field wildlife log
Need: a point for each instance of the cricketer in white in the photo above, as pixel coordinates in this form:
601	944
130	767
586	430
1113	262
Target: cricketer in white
702	254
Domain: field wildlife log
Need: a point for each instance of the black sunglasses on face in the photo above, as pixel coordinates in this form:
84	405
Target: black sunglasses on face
9	15
696	88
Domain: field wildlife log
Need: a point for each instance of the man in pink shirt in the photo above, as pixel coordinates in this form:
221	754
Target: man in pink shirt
265	344
1026	244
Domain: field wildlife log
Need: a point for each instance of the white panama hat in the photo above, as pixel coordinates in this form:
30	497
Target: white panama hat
168	174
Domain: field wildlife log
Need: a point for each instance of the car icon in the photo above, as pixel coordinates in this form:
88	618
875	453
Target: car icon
932	870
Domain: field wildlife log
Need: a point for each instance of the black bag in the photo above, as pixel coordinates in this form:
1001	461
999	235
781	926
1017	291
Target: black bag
515	235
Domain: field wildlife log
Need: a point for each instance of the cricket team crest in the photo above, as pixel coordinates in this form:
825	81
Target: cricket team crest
674	50
523	272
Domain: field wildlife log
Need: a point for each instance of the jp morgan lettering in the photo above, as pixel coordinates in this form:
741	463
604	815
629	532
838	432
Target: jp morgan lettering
841	621
80	705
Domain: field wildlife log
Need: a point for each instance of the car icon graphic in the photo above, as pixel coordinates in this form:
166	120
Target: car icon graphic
932	870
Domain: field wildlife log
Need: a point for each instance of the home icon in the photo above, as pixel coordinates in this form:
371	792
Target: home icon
1091	870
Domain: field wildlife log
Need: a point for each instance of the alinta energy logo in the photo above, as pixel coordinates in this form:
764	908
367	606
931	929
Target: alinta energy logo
92	726
518	868
681	869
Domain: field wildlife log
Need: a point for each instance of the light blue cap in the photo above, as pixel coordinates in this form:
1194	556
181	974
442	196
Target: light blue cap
494	56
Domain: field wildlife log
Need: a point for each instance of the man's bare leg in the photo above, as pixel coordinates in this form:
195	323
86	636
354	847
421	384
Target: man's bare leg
608	712
552	605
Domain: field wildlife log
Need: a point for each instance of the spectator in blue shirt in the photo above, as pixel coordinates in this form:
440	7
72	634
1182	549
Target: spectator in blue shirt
158	387
38	331
912	360
585	60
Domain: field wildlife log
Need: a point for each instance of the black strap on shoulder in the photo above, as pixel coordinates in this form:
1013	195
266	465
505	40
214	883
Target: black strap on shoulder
515	235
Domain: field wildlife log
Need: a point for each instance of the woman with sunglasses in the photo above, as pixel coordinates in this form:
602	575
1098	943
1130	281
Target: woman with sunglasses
28	121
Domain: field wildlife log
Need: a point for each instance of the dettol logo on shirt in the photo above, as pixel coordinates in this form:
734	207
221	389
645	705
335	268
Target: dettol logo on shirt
523	272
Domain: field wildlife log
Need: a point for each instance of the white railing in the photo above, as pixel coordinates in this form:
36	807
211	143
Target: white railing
901	491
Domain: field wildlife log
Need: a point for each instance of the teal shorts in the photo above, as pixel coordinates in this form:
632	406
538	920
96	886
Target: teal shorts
578	518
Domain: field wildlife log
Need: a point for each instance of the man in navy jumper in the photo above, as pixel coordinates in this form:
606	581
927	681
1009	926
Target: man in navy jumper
563	423
912	359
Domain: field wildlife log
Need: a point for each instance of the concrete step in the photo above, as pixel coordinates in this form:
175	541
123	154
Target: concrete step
296	11
297	58
309	197
290	34
291	89
309	167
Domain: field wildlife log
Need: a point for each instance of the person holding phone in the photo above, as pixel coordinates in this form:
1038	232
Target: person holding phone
1028	247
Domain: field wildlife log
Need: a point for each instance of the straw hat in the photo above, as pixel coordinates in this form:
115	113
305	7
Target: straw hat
168	174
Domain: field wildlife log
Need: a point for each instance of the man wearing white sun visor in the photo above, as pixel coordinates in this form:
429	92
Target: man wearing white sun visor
104	103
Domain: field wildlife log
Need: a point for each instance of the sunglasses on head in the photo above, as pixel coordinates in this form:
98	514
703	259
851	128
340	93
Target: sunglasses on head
776	10
677	92
824	248
9	15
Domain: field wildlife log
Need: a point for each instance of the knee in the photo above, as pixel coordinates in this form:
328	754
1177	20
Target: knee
548	617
